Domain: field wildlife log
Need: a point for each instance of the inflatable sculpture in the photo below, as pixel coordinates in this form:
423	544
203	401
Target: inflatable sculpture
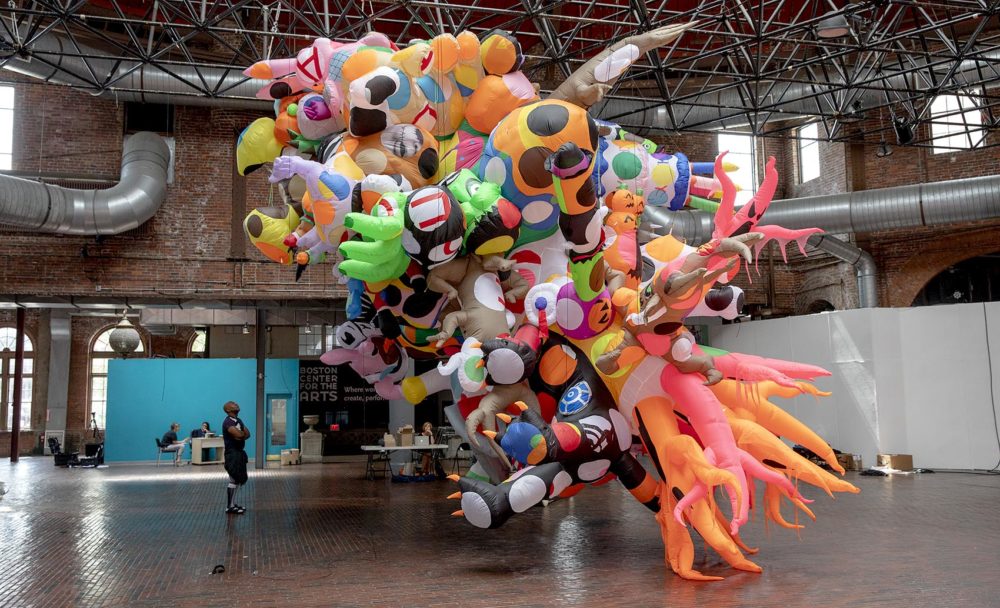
502	235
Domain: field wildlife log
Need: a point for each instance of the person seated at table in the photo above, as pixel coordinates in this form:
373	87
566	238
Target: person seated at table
171	444
204	431
425	462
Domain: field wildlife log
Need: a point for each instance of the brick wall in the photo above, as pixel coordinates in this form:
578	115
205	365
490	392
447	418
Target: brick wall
833	170
184	250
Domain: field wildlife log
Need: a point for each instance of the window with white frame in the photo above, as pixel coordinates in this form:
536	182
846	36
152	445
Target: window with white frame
6	127
314	340
808	153
742	152
8	346
956	123
100	354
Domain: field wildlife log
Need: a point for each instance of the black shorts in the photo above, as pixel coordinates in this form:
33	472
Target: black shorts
236	466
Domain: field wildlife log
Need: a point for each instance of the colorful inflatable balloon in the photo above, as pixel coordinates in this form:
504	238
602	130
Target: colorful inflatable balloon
501	235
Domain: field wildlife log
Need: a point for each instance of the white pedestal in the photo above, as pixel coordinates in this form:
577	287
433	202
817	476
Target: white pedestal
311	443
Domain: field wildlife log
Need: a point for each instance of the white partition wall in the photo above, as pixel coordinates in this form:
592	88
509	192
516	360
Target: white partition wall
918	381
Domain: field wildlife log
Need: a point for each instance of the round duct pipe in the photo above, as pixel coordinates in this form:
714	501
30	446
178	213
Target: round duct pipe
133	200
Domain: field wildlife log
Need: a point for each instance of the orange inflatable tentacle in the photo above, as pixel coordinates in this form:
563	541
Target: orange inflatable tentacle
678	550
717	536
772	508
721	519
772	417
767	448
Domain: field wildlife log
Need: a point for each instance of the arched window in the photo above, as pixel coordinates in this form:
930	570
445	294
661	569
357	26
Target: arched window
199	340
100	354
973	280
8	344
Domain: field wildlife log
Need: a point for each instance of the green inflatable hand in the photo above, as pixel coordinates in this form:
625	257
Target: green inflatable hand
380	255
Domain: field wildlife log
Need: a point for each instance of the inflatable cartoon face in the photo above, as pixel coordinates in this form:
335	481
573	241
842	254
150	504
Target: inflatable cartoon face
404	150
368	97
409	86
492	221
267	228
307	70
368	353
256	145
515	157
623	200
433	226
580	320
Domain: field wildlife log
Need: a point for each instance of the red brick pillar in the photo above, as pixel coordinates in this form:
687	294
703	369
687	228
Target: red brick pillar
15	424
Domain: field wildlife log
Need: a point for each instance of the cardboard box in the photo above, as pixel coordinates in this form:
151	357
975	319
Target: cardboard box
900	462
406	436
847	461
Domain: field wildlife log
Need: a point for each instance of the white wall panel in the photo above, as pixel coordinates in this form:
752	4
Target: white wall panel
913	381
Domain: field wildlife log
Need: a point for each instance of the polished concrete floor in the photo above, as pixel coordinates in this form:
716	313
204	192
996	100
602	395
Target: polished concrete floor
318	535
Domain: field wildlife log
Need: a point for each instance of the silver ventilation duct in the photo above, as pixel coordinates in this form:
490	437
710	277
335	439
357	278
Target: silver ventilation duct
133	200
863	262
55	59
937	203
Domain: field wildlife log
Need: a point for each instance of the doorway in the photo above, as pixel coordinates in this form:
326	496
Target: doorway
281	428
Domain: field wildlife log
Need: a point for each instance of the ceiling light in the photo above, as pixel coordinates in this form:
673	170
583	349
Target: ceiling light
124	339
246	329
834	26
308	329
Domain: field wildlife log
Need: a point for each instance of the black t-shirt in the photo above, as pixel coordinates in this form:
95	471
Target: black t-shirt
231	442
168	438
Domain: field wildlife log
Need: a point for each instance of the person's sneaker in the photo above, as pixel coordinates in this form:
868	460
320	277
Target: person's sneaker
237	510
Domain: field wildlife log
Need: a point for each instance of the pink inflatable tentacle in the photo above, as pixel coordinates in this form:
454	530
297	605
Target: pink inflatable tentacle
703	411
759	471
724	214
761	200
735	364
696	493
740	507
749	371
784	236
388	390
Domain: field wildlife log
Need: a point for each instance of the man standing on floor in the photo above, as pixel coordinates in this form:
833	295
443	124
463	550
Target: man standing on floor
234	433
